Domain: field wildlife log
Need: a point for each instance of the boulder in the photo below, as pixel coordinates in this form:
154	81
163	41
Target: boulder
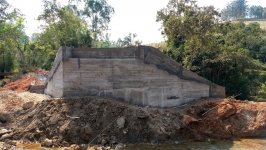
121	122
53	120
27	105
48	142
3	118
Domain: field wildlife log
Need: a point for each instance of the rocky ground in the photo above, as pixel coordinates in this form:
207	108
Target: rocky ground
36	118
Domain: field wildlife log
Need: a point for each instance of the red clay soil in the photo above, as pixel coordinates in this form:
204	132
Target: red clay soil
228	119
19	85
25	81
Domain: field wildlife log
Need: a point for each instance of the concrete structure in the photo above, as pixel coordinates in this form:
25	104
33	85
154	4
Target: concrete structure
142	76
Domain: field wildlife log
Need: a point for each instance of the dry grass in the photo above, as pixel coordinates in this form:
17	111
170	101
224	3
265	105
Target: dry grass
262	22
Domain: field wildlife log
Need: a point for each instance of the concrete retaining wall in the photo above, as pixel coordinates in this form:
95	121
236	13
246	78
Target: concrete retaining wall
142	76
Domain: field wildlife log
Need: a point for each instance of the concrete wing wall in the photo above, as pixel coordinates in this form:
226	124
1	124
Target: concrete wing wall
150	55
143	76
54	83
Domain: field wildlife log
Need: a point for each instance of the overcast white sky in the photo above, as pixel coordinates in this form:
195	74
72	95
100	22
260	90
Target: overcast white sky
131	16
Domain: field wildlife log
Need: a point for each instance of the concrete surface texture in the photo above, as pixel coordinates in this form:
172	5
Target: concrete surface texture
142	76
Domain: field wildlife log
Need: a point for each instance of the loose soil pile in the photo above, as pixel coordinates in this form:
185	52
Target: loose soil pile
95	120
19	85
26	81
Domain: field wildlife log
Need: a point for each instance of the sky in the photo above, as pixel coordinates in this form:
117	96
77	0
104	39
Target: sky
131	16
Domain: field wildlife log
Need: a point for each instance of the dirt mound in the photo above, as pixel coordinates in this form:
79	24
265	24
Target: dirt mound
35	78
15	100
19	85
94	120
231	119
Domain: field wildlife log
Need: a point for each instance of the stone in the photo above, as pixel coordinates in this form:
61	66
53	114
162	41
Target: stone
119	146
85	132
84	146
53	120
113	140
48	142
27	105
103	142
3	118
7	135
74	147
4	131
187	119
142	114
125	131
60	123
121	122
226	109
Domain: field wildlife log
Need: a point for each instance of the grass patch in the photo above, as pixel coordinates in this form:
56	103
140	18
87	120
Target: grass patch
262	22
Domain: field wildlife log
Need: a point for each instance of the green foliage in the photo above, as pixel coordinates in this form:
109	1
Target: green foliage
261	22
226	53
64	28
48	62
256	11
97	12
12	36
127	41
130	41
3	7
189	27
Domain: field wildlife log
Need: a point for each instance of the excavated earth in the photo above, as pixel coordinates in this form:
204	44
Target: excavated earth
36	118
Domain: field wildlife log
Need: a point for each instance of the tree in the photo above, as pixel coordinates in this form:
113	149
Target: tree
219	51
130	41
264	13
256	11
188	28
234	10
4	5
13	45
63	27
97	12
